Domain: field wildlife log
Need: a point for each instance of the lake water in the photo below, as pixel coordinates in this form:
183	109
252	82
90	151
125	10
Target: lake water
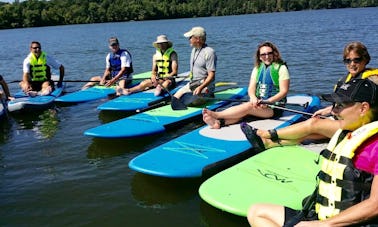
50	174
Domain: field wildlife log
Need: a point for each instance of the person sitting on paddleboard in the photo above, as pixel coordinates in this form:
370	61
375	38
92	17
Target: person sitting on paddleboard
269	82
203	60
164	69
36	79
119	67
356	57
347	190
5	88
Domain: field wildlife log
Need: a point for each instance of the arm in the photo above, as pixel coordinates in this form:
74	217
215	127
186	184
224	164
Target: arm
284	89
5	87
61	75
252	87
210	77
358	213
174	64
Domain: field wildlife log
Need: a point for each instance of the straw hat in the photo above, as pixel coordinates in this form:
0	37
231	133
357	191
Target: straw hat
162	39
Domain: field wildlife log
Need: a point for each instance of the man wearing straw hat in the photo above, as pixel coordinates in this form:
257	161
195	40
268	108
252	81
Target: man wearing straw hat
164	68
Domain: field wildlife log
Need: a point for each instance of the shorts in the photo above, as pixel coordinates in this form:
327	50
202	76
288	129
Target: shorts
293	217
37	85
171	85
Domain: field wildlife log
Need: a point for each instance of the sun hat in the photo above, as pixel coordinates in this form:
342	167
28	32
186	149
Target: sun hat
113	40
162	39
196	31
356	90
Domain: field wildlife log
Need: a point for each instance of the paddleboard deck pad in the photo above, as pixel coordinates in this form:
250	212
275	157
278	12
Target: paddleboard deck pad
97	92
157	120
206	151
281	175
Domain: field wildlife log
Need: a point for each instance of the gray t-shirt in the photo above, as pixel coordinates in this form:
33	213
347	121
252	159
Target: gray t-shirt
201	61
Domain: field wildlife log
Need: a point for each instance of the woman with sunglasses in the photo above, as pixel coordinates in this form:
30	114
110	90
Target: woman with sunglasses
269	81
355	57
347	189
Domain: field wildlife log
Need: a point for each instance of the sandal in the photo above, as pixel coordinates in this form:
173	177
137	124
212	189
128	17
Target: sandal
274	136
252	137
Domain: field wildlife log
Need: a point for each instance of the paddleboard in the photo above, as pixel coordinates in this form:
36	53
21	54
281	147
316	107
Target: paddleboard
23	102
281	175
206	151
157	120
142	100
97	92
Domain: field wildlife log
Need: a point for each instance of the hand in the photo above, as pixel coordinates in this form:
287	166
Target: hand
324	111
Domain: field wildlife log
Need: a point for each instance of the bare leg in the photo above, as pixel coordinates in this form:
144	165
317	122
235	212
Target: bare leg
95	80
266	215
313	128
234	114
140	87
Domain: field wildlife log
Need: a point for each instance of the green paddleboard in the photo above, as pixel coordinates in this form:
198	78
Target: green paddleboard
281	175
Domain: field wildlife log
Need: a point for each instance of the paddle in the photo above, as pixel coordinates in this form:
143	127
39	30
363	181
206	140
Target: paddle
187	98
290	110
81	81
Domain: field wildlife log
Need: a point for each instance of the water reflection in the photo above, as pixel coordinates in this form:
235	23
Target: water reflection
43	123
160	193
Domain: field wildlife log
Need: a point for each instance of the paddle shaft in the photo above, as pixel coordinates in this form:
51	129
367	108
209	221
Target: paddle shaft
244	100
80	81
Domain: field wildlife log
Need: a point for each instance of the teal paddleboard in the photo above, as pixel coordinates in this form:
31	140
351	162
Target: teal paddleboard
282	175
206	151
143	100
97	92
24	102
157	120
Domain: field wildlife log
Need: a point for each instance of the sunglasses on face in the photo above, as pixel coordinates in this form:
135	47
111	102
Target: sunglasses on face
350	60
342	105
34	48
266	54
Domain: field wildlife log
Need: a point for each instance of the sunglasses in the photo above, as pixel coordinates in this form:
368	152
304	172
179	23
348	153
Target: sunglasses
342	105
350	60
266	54
34	48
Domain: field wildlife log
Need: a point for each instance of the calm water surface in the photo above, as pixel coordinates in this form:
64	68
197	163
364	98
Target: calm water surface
50	174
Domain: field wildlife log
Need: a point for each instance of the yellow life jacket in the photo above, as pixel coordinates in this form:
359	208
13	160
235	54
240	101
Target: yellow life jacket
38	67
365	74
164	63
341	185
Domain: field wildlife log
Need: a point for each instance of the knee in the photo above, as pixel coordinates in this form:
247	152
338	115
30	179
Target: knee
252	214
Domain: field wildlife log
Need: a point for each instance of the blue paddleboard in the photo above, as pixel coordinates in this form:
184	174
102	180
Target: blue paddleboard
205	150
156	120
23	102
97	92
141	100
281	175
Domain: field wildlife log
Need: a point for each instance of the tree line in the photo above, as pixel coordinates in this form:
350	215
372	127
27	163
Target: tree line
37	13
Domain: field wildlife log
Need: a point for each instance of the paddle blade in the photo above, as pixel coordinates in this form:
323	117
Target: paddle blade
176	104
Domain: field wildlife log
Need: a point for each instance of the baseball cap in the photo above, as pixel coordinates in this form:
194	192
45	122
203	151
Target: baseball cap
196	31
113	40
356	90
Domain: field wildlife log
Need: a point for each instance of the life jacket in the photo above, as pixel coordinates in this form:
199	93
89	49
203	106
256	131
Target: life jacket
268	80
39	70
115	63
163	62
363	75
341	185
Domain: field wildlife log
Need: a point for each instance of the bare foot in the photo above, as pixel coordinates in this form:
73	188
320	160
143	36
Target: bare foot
209	120
157	90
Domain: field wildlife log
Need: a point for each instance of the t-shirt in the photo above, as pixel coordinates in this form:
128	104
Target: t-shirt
366	157
202	61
